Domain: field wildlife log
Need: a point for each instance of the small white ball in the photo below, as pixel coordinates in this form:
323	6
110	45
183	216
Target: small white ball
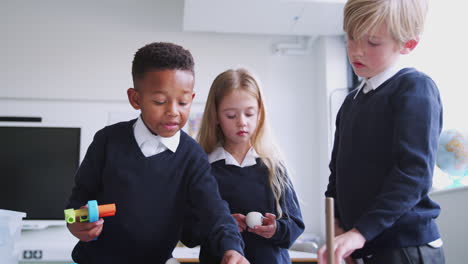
172	261
253	219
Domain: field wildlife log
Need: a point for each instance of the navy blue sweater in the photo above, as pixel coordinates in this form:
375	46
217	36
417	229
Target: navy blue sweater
247	189
152	195
383	160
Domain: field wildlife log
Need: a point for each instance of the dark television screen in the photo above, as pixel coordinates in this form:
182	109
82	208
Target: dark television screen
37	167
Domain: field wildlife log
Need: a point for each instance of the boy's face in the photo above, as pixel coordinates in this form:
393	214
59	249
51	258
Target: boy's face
374	53
164	98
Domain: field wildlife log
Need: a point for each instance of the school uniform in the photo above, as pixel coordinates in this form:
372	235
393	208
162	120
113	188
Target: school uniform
382	166
245	187
153	181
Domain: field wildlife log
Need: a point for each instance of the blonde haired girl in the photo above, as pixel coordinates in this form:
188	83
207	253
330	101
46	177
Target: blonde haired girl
248	167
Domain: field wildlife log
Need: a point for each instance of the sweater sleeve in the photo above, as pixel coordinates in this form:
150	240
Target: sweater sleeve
191	236
290	226
210	219
331	187
88	176
417	123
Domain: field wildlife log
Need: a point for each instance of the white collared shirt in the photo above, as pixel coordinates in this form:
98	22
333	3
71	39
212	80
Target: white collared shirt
373	83
221	154
151	144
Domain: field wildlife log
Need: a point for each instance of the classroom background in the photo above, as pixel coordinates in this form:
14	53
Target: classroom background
67	64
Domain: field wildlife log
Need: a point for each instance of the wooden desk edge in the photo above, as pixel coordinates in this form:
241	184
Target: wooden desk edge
304	259
182	260
196	260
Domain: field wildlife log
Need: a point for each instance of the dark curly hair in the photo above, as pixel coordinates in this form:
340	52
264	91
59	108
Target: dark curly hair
161	56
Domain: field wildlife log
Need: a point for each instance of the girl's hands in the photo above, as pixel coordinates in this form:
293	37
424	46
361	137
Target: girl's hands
268	227
240	219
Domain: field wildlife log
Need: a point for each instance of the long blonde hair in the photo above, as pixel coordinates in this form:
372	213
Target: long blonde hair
211	135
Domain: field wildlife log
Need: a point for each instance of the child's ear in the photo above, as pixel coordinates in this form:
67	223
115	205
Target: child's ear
409	45
133	98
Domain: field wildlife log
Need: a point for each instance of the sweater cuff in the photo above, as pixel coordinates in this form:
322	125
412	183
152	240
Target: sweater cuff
277	236
231	244
368	228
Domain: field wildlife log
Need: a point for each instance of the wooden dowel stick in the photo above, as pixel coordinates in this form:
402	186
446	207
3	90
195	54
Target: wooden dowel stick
330	229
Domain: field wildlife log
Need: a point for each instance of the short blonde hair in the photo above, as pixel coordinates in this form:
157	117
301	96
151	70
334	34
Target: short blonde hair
404	18
211	135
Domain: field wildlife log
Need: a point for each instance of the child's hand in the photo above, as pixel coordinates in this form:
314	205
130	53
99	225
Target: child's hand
240	219
86	231
345	244
268	227
339	231
233	257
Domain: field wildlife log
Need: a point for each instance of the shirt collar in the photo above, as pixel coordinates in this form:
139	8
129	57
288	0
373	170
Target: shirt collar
221	154
143	134
374	82
363	82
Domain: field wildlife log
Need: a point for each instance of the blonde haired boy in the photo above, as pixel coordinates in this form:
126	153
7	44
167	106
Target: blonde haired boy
385	142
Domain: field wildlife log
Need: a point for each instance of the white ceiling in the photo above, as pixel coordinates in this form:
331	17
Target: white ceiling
275	17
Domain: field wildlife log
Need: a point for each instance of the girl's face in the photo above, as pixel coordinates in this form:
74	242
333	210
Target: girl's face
238	117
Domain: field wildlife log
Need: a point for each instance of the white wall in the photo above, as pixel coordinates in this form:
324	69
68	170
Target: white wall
83	50
70	62
331	78
291	101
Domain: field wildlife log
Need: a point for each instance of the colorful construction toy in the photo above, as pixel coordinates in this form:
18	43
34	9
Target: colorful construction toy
90	214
